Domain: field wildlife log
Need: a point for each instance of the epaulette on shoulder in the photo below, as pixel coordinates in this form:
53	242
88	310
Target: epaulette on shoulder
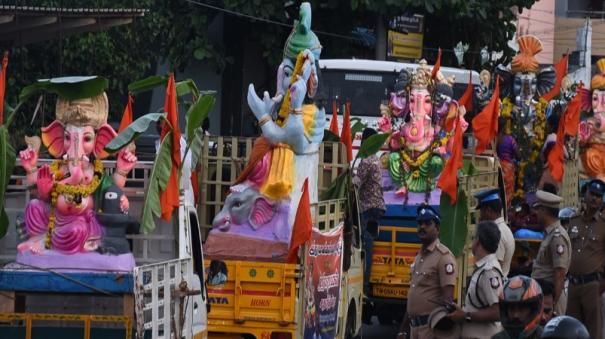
443	249
557	232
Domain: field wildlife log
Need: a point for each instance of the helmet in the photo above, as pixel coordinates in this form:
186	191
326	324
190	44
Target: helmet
565	327
521	291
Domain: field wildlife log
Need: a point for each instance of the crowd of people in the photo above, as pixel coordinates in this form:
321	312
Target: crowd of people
561	298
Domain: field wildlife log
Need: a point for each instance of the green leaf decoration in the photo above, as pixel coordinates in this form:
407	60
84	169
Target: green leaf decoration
133	130
329	136
185	87
196	147
338	188
454	229
7	164
160	173
372	145
468	168
197	113
70	88
358	127
147	84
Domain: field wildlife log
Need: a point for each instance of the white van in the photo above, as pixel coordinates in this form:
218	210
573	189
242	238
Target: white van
368	83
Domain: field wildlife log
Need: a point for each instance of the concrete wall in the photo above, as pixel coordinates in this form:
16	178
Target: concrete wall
540	21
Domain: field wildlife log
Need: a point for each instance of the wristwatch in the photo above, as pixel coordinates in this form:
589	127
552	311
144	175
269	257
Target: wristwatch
467	317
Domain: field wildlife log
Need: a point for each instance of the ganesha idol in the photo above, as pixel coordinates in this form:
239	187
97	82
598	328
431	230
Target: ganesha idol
63	218
592	130
417	115
259	213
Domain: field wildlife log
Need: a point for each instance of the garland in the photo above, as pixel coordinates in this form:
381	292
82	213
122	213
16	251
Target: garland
70	192
416	163
506	111
539	130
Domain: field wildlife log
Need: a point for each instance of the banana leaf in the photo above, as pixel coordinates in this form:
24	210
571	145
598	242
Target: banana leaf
185	87
358	126
197	113
147	84
372	145
454	228
70	88
338	188
329	136
7	164
132	132
160	174
196	147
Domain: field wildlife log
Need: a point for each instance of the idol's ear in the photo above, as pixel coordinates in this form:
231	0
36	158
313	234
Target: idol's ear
506	81
52	137
547	79
262	212
104	135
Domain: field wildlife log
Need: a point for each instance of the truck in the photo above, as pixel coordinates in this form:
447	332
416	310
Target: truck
163	297
271	299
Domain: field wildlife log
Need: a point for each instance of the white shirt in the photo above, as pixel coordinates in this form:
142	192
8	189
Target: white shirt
506	247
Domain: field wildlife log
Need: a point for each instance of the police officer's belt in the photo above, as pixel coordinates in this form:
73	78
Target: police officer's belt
584	279
419	320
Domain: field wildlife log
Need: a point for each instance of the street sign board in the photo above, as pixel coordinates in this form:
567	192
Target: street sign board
405	37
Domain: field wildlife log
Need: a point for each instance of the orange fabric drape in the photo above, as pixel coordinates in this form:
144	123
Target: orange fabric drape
556	157
437	66
3	86
345	136
127	116
561	70
303	224
334	122
169	198
485	124
448	181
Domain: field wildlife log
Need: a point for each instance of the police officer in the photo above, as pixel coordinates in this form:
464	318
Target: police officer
554	255
587	235
490	206
481	312
433	276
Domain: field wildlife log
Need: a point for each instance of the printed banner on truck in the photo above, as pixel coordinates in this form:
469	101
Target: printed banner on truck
322	283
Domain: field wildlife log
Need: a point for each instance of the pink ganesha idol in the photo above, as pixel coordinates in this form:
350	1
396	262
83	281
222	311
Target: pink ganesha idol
63	217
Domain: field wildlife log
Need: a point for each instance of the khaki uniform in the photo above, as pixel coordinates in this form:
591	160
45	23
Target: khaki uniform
483	291
433	269
506	247
587	261
554	252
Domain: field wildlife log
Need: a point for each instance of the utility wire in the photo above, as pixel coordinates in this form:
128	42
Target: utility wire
269	21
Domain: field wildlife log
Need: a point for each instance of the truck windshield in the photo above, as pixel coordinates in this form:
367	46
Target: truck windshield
365	90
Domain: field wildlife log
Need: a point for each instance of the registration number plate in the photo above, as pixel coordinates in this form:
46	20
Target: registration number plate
390	291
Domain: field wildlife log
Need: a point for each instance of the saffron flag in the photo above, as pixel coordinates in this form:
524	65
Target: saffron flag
448	181
127	116
303	224
334	122
561	70
345	136
466	99
485	124
437	66
169	198
3	86
556	157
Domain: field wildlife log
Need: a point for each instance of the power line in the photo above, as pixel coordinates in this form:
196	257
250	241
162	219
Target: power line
269	21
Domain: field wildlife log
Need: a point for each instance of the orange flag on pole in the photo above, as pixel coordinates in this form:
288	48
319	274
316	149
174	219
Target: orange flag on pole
345	136
437	65
448	181
556	157
334	122
3	86
485	124
561	70
127	116
466	99
303	224
169	199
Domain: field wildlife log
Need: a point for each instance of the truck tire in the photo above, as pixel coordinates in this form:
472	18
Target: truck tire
351	325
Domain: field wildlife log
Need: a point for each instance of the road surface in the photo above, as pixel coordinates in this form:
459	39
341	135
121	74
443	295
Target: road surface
377	331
